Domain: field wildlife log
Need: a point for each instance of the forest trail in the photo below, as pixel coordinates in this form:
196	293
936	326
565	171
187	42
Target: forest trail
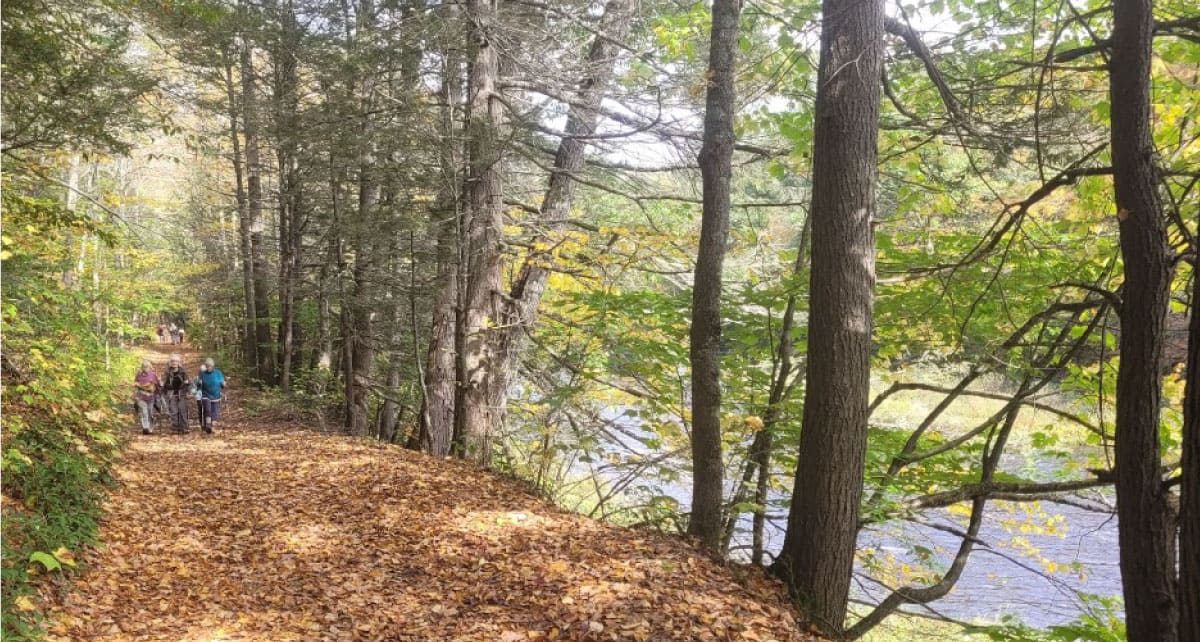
268	530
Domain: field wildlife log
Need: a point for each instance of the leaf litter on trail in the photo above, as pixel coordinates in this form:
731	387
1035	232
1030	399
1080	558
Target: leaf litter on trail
272	532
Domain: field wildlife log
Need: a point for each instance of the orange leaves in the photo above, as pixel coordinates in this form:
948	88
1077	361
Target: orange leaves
267	532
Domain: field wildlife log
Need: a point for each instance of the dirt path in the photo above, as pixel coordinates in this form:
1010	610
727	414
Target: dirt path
267	531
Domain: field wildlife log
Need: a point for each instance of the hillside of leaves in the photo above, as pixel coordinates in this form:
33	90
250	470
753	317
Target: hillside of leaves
272	530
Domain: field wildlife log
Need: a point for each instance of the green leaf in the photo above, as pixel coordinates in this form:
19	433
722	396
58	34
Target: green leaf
45	559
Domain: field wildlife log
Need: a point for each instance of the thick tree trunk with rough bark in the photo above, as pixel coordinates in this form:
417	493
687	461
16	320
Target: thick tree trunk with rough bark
437	415
476	414
818	551
436	423
716	158
1145	528
1189	486
519	309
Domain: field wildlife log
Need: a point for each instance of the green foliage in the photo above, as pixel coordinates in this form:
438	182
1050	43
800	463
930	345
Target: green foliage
1101	621
55	465
69	80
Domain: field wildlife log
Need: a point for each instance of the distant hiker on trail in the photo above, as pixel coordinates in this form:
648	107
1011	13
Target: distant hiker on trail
211	383
174	333
162	332
182	334
175	387
146	387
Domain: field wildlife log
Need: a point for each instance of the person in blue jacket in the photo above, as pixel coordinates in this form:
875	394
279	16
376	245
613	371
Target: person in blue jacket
211	381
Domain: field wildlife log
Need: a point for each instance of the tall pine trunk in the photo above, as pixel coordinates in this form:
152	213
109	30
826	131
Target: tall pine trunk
290	195
1189	488
476	417
358	323
716	158
818	550
258	268
1145	529
436	422
249	345
519	309
360	333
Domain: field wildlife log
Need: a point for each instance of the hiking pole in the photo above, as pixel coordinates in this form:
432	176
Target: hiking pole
200	404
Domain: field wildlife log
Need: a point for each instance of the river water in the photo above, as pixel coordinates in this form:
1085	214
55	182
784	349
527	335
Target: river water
1031	564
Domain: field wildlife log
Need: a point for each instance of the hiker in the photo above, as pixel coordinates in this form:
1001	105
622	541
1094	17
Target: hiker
174	334
146	387
211	383
182	334
175	388
162	330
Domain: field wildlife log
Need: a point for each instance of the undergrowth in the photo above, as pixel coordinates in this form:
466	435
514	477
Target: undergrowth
57	459
65	402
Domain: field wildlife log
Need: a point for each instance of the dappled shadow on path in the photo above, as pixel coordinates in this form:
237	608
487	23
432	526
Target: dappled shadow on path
272	532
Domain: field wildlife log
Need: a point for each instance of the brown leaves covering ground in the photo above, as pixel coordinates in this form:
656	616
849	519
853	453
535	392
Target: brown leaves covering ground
273	532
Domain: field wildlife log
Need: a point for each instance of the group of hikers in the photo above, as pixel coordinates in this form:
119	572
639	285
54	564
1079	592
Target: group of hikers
172	393
172	332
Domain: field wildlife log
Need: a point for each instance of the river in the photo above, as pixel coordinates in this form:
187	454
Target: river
1033	560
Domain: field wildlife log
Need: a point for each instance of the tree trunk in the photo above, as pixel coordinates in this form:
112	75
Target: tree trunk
1189	487
477	415
436	428
289	259
1144	524
389	411
519	309
1145	528
818	550
437	415
330	275
258	268
716	157
360	339
69	277
249	345
290	197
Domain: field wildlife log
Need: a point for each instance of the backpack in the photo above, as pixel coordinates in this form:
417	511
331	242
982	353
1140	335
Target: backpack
177	380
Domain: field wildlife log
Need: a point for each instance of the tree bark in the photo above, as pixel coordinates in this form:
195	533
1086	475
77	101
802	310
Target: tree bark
262	329
716	158
290	197
249	345
818	549
519	309
476	416
69	278
436	427
330	277
1145	529
1189	487
360	338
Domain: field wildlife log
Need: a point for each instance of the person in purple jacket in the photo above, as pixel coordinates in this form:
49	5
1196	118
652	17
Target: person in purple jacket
146	387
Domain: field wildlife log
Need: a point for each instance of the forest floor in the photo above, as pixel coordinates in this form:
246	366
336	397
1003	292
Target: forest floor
270	530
